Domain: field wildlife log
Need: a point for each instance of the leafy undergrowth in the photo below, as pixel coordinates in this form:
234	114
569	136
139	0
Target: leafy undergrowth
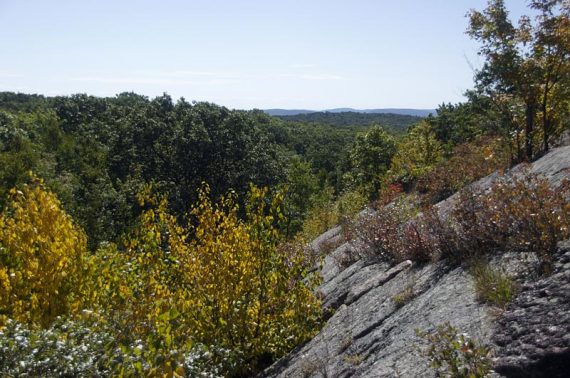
518	214
522	213
455	355
340	211
88	347
220	297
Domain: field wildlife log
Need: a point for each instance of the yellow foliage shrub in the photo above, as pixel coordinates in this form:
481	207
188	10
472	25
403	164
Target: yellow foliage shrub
223	282
41	258
140	289
319	220
328	215
251	295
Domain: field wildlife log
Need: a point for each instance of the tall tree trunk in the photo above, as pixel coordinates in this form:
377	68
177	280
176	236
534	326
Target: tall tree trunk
545	119
546	133
529	128
518	153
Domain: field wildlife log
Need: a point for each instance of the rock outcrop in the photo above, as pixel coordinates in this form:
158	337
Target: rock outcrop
373	310
533	336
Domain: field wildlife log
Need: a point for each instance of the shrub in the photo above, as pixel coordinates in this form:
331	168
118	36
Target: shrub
140	290
383	232
520	214
224	283
329	214
388	194
397	232
417	154
468	163
444	241
319	220
250	296
87	347
456	355
350	203
65	348
517	214
42	255
420	243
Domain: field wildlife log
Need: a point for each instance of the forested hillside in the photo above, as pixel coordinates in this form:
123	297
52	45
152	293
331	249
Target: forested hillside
159	237
98	153
397	123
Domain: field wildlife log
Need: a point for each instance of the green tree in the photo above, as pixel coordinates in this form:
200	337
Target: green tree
551	50
417	154
370	157
524	64
300	188
509	70
460	123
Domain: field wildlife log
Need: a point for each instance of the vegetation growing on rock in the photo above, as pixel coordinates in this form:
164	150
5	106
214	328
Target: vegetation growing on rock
455	354
176	233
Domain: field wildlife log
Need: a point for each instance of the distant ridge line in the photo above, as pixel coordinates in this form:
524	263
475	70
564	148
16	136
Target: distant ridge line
401	111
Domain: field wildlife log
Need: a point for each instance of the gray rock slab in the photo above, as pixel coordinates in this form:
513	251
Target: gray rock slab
317	244
373	336
533	335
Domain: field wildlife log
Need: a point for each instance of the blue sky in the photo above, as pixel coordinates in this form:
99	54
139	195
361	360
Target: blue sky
313	54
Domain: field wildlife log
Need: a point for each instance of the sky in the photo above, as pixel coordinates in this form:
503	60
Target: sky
305	54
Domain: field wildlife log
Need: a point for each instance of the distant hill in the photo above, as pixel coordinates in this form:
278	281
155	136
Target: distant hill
286	112
412	112
398	123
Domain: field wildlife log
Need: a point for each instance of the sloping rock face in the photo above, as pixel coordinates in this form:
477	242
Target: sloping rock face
533	335
372	334
373	310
